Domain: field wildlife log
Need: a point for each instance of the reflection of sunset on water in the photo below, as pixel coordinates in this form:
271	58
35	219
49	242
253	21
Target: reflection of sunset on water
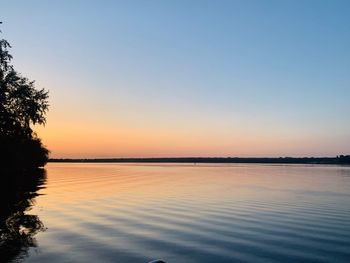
184	212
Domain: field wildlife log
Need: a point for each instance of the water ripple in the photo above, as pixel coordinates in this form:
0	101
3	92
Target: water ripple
183	213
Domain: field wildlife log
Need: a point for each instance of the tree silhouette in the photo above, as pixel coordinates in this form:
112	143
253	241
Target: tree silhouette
21	105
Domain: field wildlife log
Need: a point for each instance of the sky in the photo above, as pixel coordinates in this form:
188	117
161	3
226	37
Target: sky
180	78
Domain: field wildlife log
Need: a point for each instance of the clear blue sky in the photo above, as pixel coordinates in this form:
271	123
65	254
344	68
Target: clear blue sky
187	78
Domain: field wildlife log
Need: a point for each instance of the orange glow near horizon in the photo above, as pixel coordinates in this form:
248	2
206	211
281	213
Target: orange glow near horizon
83	140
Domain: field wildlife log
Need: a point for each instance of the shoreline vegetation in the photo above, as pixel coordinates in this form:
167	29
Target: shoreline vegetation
21	107
341	159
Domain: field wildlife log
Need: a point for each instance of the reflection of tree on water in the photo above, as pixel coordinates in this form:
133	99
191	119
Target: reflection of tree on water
17	226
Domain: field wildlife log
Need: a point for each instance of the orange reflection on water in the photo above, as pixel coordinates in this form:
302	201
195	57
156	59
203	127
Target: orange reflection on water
184	212
141	182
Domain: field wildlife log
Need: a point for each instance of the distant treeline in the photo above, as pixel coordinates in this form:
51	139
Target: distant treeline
341	159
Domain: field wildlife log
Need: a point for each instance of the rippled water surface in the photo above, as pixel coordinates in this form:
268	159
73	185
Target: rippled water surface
193	213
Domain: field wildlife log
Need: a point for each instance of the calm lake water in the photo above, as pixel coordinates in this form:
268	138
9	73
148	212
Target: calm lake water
187	213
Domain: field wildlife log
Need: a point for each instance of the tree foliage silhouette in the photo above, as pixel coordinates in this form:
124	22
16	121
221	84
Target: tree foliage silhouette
21	105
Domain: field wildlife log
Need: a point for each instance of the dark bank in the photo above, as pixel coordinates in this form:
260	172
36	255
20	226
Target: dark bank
18	226
341	159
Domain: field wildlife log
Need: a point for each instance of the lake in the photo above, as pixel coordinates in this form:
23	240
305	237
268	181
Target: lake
80	212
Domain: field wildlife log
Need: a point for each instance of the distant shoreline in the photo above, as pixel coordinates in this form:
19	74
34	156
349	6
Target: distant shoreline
279	160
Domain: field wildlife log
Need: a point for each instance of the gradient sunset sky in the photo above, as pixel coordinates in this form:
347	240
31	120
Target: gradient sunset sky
187	78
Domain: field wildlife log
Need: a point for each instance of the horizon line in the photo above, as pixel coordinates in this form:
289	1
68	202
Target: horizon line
339	159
